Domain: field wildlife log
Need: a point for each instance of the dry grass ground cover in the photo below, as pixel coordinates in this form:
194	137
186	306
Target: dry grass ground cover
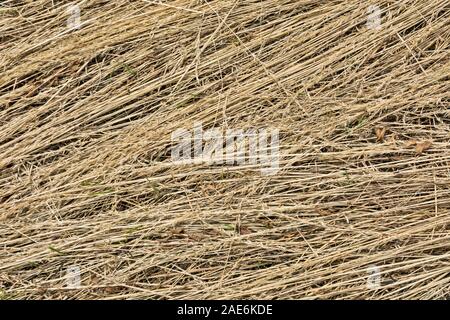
86	177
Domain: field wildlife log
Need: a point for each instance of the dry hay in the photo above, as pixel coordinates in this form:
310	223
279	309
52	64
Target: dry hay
86	118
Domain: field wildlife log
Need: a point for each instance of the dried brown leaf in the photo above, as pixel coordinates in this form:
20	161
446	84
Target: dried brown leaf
175	231
423	146
380	132
245	230
410	143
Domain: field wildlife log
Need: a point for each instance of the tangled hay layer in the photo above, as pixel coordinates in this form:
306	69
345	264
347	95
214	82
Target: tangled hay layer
86	117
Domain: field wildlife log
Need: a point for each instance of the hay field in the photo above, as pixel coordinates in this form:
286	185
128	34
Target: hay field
87	181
